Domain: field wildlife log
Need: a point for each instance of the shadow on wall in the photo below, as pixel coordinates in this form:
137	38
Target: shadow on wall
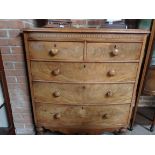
41	22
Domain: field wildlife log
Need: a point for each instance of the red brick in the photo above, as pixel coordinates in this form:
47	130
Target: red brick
5	50
21	109
11	42
13	24
20	98
79	21
15	42
29	125
22	118
22	79
95	21
13	57
13	72
17	50
3	33
14	33
20	65
19	125
25	131
11	79
8	65
22	88
4	42
14	89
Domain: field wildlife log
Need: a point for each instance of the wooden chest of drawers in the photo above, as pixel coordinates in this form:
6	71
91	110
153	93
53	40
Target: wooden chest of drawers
83	80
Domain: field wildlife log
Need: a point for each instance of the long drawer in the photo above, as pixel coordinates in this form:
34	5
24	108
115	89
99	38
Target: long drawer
75	94
82	116
56	50
113	51
84	72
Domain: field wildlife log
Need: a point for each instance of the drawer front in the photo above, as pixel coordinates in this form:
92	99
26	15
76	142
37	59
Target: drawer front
113	51
84	72
82	116
82	93
56	50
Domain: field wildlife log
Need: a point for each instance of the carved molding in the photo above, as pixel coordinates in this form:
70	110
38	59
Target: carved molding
84	36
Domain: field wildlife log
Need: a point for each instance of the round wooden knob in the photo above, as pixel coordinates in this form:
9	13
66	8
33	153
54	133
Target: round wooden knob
115	52
109	93
105	116
53	52
56	72
111	73
57	116
56	94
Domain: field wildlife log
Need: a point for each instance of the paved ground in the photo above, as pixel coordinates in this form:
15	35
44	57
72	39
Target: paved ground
141	127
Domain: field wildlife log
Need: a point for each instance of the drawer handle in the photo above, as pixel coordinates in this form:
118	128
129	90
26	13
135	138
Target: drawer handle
115	52
57	116
109	93
56	94
112	72
53	52
105	116
56	72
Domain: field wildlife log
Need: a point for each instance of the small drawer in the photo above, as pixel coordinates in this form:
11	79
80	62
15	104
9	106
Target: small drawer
75	94
84	72
56	50
113	51
82	116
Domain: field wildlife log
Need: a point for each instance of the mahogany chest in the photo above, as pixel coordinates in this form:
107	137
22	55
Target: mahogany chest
83	80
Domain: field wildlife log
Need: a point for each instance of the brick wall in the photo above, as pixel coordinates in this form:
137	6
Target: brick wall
14	64
11	45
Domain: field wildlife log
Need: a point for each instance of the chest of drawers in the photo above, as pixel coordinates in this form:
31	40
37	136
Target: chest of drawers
83	80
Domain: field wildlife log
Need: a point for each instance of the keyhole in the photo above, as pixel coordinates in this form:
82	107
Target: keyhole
55	45
84	87
82	108
84	66
115	46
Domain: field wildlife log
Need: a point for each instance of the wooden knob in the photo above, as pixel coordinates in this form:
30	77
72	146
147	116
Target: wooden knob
53	52
57	116
111	73
115	52
56	94
56	72
105	116
109	93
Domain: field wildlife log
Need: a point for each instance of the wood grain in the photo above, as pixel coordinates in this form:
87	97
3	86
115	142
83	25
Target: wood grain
66	50
81	94
84	72
76	84
82	116
105	51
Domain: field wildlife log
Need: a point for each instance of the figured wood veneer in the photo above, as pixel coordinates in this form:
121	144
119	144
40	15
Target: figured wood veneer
83	80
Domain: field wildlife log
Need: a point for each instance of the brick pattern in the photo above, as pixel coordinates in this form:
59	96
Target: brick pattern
11	45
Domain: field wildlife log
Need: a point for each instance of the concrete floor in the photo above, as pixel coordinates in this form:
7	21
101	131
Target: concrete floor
141	127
